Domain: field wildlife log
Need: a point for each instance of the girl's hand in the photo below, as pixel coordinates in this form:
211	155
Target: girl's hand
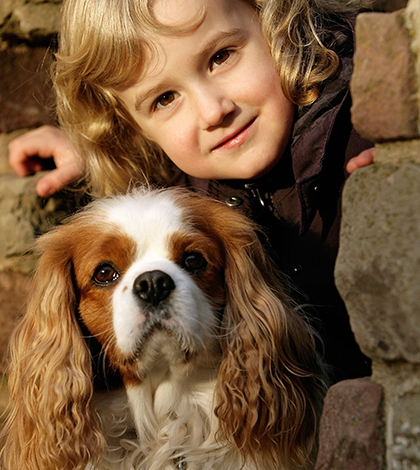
364	158
37	150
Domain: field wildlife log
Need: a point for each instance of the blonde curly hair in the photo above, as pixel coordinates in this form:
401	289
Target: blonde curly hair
103	45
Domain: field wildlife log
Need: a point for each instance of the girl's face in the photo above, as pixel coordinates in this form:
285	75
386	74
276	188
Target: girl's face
211	97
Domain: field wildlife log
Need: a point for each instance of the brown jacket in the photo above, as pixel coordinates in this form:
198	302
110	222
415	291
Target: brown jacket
298	205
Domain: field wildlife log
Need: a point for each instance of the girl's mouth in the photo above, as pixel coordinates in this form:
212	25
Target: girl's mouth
236	138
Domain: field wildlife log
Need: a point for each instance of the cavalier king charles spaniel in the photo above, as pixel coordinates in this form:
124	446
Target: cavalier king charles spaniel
205	362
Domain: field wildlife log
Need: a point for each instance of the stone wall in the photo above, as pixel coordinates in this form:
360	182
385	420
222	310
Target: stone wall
371	423
378	267
27	37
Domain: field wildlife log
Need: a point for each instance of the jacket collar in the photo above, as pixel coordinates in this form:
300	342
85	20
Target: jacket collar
312	152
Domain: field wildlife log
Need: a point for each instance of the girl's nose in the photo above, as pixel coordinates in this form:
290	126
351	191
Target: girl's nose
213	106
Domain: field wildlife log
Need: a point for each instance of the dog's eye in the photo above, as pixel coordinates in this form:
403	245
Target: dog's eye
105	274
194	262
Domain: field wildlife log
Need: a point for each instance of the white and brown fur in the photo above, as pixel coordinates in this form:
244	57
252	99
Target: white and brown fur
219	371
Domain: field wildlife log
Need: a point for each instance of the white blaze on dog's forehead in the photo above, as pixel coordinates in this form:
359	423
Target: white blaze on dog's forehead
148	218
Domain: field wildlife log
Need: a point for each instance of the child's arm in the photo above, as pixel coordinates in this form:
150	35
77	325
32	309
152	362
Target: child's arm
364	158
33	152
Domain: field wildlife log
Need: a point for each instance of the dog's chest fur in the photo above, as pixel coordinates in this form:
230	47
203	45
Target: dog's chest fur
177	429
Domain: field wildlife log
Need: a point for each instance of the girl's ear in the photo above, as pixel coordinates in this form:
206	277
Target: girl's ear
50	424
270	388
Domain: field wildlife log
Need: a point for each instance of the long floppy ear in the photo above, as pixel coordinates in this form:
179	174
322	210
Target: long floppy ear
270	387
50	424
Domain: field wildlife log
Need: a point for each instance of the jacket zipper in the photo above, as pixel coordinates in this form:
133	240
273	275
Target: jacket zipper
255	193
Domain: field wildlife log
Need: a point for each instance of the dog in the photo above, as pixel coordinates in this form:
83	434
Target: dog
205	361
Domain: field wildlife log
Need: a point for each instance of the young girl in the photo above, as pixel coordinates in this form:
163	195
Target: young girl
246	100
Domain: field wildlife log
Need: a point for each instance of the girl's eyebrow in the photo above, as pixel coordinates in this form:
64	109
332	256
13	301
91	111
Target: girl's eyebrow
238	35
142	97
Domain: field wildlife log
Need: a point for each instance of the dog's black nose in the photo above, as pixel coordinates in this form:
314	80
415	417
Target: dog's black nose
153	286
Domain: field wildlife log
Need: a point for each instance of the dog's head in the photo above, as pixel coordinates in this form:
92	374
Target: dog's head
160	277
148	271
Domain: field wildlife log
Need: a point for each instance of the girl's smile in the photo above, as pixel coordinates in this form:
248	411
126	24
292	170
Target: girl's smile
211	96
236	138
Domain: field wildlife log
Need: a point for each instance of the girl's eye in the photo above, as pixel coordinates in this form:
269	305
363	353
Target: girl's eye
220	57
165	99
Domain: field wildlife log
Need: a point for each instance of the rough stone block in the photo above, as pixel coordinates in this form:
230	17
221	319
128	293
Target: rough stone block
389	5
412	17
26	95
23	217
351	427
6	8
404	450
378	266
398	152
383	85
5	168
33	21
